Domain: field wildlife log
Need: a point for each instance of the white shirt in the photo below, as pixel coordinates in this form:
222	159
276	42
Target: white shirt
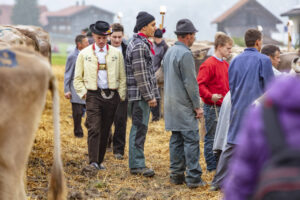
102	74
120	48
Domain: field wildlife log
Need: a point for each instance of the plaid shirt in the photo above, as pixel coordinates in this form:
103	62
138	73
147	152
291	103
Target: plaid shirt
141	81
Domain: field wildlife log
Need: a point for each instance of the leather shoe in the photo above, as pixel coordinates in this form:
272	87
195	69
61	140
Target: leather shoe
195	185
142	171
177	179
95	165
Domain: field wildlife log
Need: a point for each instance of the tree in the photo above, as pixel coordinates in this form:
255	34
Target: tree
26	12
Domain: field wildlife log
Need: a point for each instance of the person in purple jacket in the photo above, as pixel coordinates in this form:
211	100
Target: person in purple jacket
253	149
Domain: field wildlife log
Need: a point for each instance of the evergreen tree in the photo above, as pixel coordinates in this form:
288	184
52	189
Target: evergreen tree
26	12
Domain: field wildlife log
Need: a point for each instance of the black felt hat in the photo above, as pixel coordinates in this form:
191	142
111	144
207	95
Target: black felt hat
100	28
185	26
142	19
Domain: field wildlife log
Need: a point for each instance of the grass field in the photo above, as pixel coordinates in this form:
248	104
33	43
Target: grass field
114	183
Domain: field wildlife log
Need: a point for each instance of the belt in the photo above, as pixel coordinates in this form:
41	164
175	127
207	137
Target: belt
102	67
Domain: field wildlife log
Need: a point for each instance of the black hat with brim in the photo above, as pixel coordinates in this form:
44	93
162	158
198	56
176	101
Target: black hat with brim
185	26
100	28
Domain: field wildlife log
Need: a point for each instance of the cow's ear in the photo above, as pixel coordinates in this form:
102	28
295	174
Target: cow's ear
295	60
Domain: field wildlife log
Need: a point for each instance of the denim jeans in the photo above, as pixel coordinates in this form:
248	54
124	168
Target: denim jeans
140	112
210	126
184	155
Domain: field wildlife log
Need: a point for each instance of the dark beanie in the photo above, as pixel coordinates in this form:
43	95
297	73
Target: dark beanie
142	19
158	33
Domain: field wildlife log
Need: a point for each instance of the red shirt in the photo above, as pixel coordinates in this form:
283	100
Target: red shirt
213	79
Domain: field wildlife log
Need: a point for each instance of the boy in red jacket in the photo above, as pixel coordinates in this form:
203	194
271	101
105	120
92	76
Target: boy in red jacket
213	86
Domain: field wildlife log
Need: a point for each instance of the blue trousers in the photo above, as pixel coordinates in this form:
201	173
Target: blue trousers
140	112
210	126
184	155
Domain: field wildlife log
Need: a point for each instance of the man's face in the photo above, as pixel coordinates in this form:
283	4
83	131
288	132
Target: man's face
100	40
150	29
275	59
225	50
157	40
116	38
191	39
84	43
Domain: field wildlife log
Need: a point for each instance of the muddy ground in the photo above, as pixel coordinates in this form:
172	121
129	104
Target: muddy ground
114	183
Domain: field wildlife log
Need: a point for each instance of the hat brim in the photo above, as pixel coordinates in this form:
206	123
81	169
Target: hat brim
95	31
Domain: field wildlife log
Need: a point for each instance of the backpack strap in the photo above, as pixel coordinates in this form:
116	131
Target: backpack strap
273	130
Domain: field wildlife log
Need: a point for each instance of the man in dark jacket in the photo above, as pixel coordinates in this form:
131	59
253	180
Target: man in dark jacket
142	90
120	120
78	105
160	48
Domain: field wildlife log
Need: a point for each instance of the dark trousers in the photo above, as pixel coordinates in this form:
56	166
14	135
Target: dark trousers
210	126
156	111
222	167
77	113
184	156
140	117
120	122
100	116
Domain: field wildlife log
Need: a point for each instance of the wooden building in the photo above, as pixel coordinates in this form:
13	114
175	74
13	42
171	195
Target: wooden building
65	24
246	14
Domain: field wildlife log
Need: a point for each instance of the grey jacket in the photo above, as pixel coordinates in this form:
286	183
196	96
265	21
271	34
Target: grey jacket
181	89
69	76
160	51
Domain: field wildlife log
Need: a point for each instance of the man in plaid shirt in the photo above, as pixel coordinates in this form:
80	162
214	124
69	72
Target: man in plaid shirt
142	90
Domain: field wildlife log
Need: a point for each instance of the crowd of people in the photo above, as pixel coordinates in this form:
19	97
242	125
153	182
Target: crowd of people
108	79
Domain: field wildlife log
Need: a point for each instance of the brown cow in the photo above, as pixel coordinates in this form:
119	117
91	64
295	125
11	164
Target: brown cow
32	36
25	77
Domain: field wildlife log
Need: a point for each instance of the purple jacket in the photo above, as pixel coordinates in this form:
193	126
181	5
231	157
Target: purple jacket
253	151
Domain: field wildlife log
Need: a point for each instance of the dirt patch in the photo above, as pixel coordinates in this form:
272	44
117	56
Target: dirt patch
114	183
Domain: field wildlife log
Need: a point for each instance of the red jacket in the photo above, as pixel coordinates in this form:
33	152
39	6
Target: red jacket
213	79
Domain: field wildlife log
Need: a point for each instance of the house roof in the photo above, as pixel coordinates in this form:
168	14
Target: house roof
69	11
238	6
6	12
293	12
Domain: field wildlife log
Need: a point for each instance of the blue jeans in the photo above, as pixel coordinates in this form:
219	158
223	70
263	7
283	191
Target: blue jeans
184	155
140	112
210	126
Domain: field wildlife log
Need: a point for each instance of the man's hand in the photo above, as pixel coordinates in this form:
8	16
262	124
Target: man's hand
152	103
68	95
199	112
216	97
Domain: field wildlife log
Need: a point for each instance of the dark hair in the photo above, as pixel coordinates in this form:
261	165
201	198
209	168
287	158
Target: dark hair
270	50
251	36
222	40
85	30
79	38
116	27
183	35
